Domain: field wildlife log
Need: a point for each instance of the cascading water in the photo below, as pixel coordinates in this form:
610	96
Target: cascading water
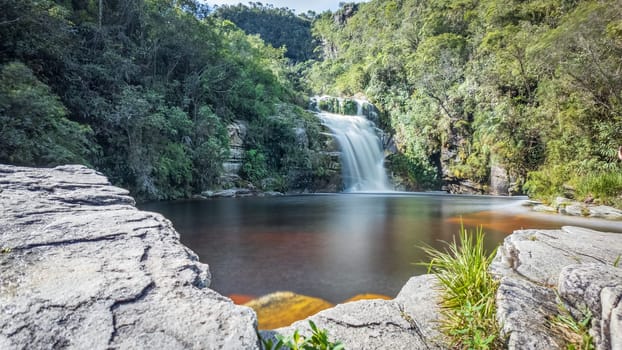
362	156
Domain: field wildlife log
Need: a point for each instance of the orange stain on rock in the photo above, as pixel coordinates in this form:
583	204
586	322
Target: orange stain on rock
241	299
368	296
281	309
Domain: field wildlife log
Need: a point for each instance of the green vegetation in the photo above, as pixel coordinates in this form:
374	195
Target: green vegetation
575	332
531	87
468	292
143	90
33	123
317	341
279	27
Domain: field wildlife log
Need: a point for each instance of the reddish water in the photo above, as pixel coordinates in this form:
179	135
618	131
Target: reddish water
336	246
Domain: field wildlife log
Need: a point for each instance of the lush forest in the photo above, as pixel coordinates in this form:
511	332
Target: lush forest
143	90
279	27
529	87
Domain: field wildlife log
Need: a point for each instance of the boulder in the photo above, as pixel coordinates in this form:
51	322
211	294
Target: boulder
598	288
83	268
605	212
406	322
543	271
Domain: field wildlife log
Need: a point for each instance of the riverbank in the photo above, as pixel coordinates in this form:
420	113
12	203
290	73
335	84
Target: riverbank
83	268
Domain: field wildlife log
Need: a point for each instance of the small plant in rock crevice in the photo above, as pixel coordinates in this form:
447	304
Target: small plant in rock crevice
317	341
468	292
575	332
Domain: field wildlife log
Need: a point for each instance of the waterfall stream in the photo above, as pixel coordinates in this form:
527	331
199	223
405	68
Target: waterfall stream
362	156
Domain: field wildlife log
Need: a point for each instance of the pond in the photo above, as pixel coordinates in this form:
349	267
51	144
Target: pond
335	246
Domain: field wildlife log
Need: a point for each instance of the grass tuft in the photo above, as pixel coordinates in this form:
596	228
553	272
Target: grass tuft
468	297
575	332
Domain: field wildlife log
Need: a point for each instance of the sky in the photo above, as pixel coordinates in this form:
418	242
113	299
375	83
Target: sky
300	6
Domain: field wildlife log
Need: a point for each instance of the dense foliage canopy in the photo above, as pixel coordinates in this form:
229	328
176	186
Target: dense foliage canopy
142	90
279	27
532	87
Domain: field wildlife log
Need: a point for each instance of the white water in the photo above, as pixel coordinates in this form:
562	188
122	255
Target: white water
362	157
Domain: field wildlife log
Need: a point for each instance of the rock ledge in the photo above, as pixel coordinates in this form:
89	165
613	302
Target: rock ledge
83	268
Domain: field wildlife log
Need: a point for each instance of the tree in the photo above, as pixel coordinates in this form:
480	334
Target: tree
34	129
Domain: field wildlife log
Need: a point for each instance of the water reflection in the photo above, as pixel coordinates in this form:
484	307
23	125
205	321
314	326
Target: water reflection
336	246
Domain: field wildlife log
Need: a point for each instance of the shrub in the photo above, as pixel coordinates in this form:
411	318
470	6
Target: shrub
254	167
606	186
468	292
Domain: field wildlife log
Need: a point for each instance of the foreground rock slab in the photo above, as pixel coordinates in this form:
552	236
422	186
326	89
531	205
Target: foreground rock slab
83	268
543	271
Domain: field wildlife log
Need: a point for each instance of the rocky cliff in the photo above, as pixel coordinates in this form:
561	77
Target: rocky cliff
83	268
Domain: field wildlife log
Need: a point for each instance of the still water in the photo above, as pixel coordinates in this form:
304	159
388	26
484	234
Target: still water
339	245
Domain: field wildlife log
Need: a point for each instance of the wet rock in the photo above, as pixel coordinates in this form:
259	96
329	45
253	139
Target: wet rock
83	268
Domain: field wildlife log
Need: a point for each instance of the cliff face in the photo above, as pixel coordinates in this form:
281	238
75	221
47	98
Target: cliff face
83	268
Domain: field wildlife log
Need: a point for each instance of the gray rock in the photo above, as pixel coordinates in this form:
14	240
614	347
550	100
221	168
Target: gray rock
83	268
541	208
577	263
575	209
561	202
499	180
598	288
406	322
540	255
420	297
611	317
602	211
225	193
273	194
237	132
523	311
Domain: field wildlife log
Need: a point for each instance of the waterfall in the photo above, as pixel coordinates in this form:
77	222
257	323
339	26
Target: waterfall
362	156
